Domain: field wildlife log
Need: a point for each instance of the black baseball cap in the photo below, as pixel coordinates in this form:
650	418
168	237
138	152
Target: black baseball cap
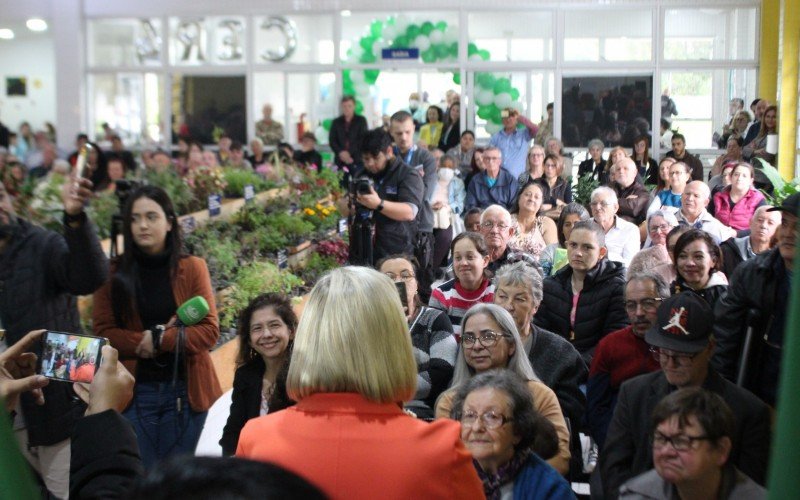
684	324
790	204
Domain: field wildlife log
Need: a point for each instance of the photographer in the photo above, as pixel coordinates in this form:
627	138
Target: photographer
394	198
41	271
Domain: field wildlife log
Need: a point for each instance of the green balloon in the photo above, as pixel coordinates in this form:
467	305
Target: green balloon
496	115
472	49
441	26
400	42
412	31
442	51
376	28
366	58
391	21
486	80
501	85
484	54
485	112
457	78
371	75
348	89
454	49
366	43
359	107
426	28
429	56
514	94
326	124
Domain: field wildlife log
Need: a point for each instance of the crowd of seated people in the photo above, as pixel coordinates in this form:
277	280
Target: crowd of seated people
510	342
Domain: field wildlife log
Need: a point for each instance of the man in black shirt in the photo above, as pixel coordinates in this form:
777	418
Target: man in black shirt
346	134
680	153
395	198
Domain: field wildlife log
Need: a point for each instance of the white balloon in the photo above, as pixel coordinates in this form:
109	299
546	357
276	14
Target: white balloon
518	105
502	100
402	23
493	128
484	97
357	76
390	32
475	57
362	89
436	36
377	48
422	43
451	34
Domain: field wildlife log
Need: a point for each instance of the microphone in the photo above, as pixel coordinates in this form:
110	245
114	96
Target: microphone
192	311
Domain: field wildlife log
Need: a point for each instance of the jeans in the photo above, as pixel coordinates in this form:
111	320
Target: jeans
164	426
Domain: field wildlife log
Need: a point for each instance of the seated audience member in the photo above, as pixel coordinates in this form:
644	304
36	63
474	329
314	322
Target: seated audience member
534	165
762	226
472	220
623	354
519	289
223	149
683	344
735	205
308	154
595	164
431	132
554	256
655	253
494	186
692	434
506	436
432	339
463	153
118	149
646	166
259	156
737	128
622	238
557	192
268	130
266	334
721	181
490	341
583	301
662	182
733	153
632	196
452	128
693	212
497	230
352	367
116	171
471	284
532	231
680	153
554	146
670	198
757	148
161	161
761	284
236	157
698	262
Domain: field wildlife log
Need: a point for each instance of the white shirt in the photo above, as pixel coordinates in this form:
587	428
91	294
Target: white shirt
622	241
719	232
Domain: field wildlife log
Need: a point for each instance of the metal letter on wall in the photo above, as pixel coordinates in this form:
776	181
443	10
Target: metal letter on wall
289	32
190	35
231	42
148	46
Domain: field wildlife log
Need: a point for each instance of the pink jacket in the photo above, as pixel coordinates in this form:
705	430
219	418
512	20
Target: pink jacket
739	217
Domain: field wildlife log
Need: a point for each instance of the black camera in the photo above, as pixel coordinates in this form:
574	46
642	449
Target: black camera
123	189
363	185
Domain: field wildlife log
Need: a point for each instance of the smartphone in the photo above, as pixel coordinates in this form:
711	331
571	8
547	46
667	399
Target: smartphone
401	290
70	357
504	113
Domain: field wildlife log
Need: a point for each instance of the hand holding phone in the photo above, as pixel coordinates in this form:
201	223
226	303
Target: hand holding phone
70	357
112	387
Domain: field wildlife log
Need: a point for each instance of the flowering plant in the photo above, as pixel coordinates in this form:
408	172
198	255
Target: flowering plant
336	248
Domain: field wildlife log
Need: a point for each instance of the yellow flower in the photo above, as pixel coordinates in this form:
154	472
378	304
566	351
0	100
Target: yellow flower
309	211
318	206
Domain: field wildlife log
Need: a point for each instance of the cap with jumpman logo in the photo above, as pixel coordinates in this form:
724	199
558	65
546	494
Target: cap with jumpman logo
685	322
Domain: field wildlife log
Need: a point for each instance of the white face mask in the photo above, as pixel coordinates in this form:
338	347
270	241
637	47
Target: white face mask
413	104
446	174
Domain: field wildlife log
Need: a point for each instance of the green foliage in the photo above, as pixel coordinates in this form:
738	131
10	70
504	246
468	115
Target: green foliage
291	226
101	210
316	266
582	192
236	179
223	257
252	280
179	192
781	188
46	207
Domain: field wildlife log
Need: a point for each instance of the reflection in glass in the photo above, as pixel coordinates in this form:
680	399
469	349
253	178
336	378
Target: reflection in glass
207	106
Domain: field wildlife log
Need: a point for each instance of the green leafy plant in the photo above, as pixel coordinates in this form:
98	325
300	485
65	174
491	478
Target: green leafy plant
252	280
46	207
317	265
781	188
236	179
179	192
101	211
582	192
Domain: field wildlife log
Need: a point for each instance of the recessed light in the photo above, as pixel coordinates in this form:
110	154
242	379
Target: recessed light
36	24
6	34
346	13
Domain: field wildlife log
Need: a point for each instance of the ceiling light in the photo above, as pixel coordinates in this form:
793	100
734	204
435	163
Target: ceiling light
6	34
36	24
346	13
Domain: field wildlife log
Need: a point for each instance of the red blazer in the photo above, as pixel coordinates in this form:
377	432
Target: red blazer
192	279
353	448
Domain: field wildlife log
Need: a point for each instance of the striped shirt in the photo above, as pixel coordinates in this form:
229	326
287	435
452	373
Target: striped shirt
453	299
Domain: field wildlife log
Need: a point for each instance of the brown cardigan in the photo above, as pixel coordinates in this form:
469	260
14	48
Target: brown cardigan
192	279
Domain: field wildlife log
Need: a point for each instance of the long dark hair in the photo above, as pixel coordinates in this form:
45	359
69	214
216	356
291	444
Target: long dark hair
282	307
531	182
99	177
693	235
125	280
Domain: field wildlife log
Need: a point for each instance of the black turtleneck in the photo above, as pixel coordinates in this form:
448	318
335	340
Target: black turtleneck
156	305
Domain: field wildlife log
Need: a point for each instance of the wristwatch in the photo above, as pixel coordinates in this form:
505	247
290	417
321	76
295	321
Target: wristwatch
157	332
379	207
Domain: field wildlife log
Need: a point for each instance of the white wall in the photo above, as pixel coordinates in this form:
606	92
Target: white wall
33	58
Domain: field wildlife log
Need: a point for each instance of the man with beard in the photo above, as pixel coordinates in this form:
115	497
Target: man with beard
41	272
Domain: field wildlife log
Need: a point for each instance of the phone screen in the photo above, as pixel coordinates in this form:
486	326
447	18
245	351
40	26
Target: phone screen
401	290
70	357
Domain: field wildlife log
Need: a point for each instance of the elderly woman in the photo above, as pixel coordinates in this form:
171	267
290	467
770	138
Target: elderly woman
351	369
698	263
533	231
534	165
654	253
435	347
735	205
557	191
500	427
733	153
595	165
554	256
758	147
490	340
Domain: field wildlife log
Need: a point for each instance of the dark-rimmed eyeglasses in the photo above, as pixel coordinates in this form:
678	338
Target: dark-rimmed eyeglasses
487	338
490	419
680	442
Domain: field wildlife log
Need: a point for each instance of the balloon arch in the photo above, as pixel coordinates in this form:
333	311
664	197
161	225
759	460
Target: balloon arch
437	42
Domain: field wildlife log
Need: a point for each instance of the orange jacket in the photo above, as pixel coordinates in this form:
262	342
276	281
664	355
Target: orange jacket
354	448
192	279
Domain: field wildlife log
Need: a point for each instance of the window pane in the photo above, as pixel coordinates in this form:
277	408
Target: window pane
692	93
268	89
529	37
311	101
130	103
511	91
435	34
210	40
125	42
710	33
207	106
295	39
595	35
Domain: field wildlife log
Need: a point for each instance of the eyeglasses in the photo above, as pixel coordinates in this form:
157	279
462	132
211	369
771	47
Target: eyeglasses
487	338
660	227
490	225
680	358
648	305
600	204
404	276
491	420
681	442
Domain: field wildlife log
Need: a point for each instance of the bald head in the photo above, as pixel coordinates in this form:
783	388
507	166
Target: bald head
694	199
763	225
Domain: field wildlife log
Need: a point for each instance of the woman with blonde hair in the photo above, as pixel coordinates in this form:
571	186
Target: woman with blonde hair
351	369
